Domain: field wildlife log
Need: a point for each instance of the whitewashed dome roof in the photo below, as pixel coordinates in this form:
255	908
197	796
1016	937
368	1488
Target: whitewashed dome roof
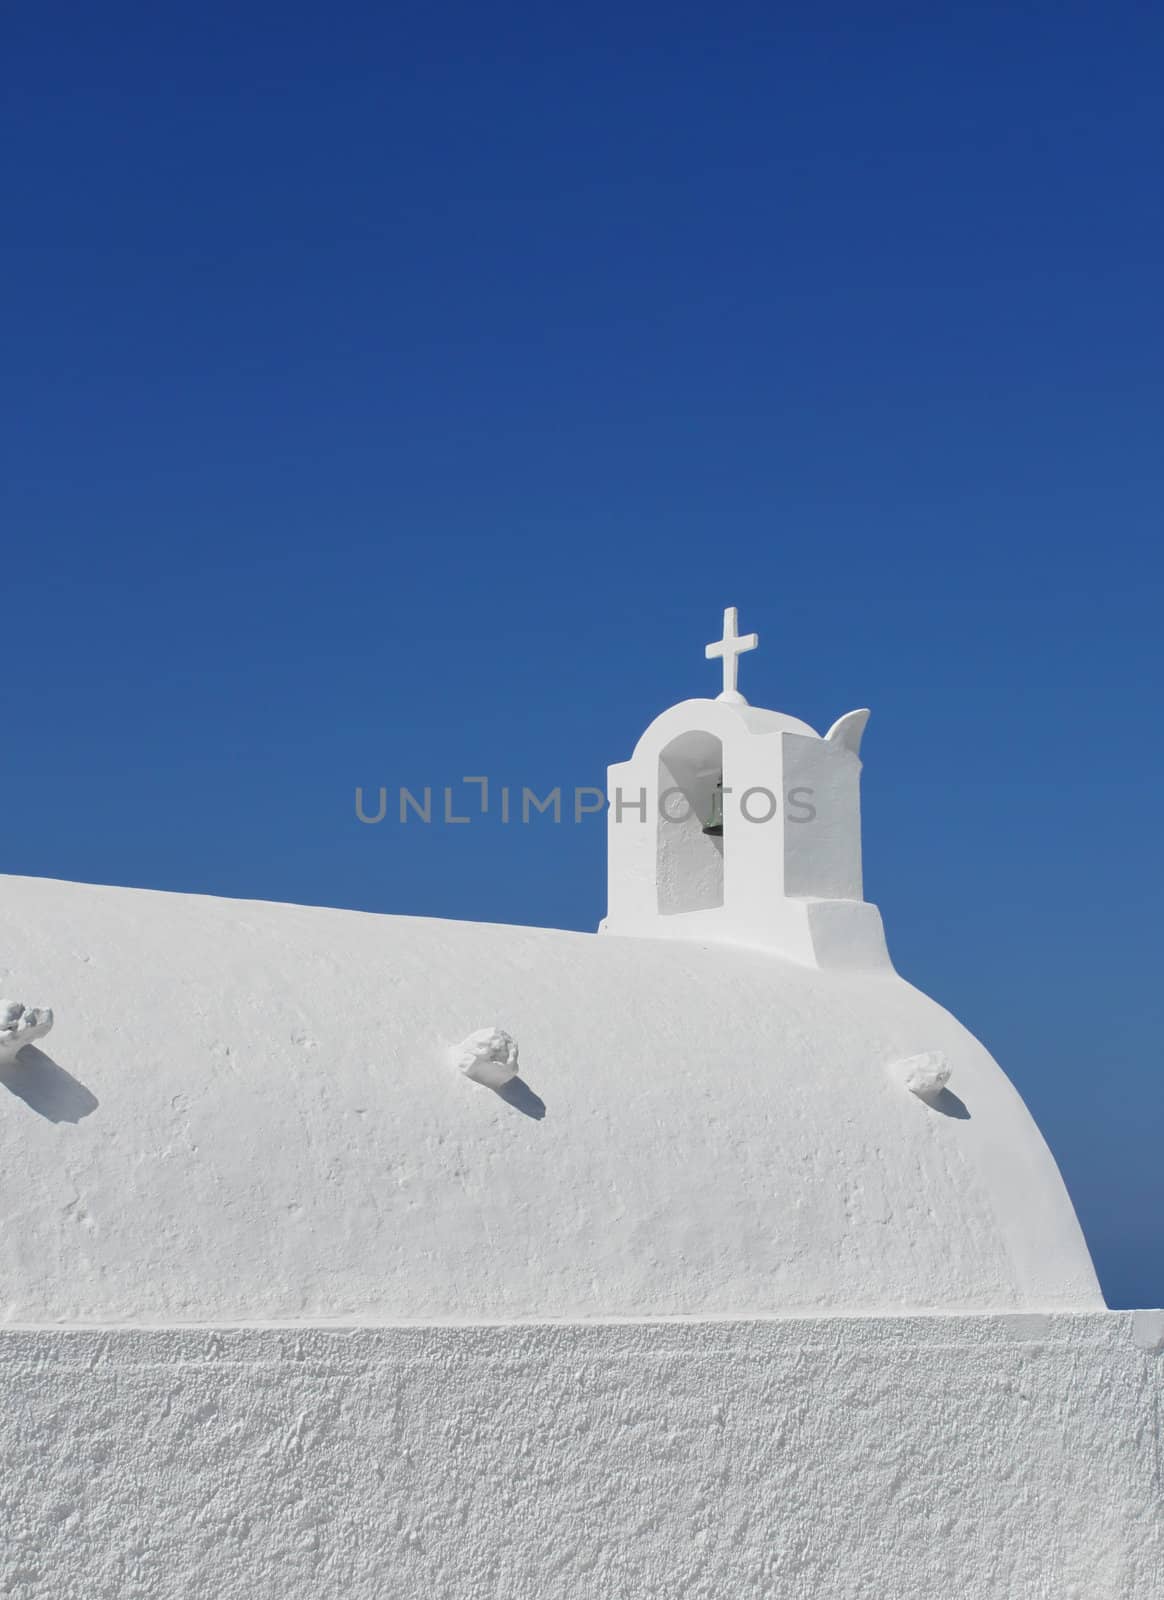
249	1112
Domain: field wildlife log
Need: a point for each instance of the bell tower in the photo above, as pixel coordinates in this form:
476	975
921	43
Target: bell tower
735	825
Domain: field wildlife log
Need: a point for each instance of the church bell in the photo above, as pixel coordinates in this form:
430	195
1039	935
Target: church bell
713	827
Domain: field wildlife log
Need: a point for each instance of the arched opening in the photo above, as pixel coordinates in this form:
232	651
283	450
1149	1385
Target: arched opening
689	857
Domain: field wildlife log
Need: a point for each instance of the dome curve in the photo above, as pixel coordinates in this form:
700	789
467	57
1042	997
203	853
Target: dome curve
250	1112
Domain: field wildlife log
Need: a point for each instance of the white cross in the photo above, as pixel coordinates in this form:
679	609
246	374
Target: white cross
731	647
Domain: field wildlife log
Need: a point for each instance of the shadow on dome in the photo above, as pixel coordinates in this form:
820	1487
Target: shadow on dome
47	1088
949	1105
518	1094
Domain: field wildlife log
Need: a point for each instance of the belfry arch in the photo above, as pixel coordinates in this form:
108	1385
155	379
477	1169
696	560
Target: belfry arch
689	859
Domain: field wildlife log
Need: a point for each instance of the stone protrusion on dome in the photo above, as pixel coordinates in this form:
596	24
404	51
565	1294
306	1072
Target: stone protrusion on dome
489	1057
20	1026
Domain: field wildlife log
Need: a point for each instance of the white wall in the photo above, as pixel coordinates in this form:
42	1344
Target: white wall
822	831
1004	1457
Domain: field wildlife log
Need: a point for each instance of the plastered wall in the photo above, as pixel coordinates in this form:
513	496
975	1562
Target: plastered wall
970	1456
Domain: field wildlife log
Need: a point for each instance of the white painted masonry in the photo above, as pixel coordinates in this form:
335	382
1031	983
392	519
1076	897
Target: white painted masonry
353	1257
1009	1457
783	871
251	1111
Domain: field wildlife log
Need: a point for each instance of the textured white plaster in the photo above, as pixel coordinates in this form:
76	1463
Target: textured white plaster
1148	1330
987	1458
248	1112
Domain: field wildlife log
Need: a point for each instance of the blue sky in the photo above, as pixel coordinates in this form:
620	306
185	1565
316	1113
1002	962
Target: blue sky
392	395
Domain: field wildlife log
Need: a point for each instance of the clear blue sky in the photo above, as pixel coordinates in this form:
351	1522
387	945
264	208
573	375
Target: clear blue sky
395	393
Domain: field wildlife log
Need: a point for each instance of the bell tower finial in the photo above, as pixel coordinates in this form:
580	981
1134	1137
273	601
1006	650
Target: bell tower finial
731	647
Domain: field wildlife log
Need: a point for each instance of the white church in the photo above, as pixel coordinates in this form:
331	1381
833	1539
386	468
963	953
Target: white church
355	1257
